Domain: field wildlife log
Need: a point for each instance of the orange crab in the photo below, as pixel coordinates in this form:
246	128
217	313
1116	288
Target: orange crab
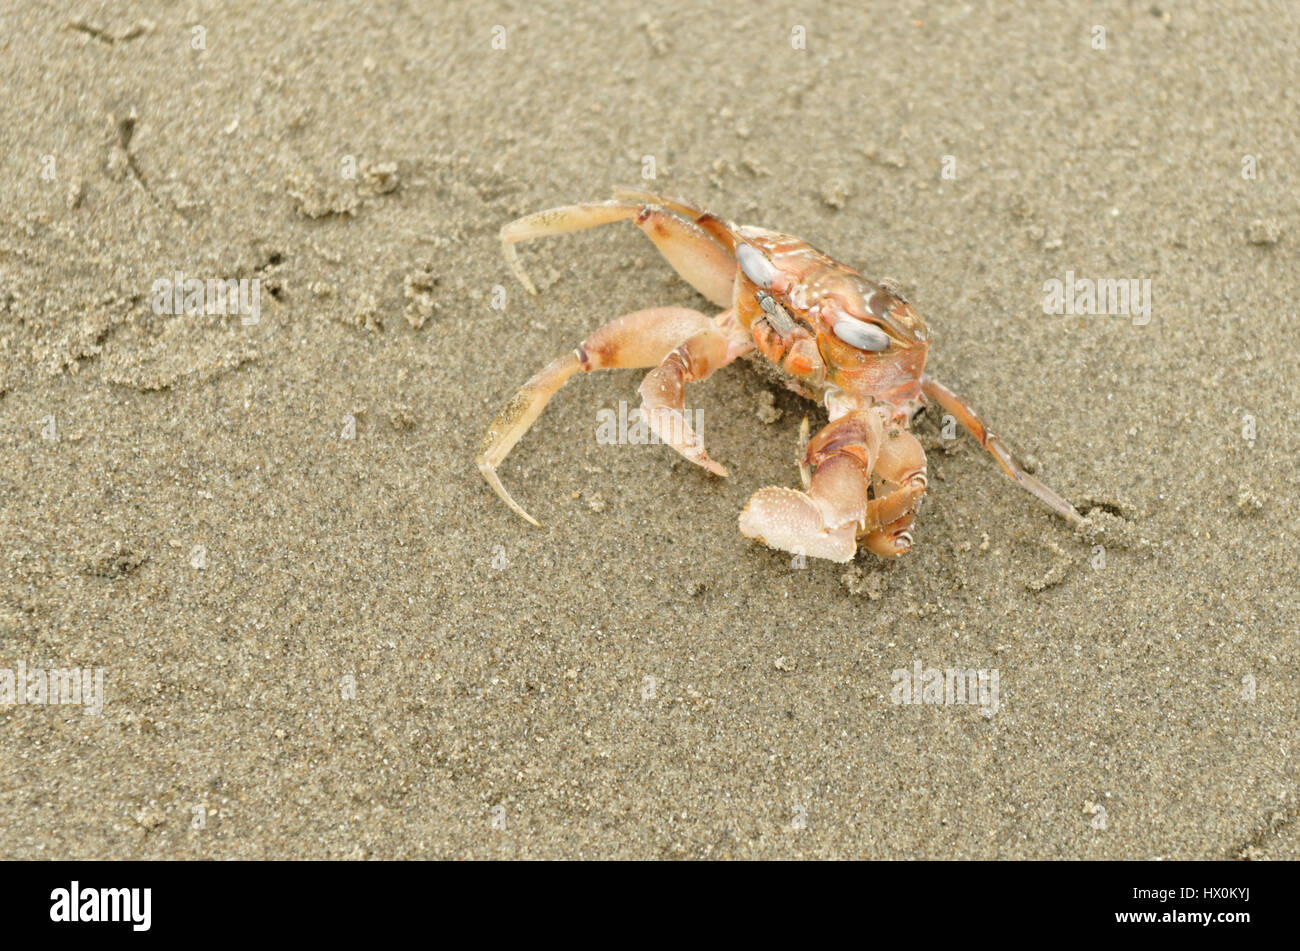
833	336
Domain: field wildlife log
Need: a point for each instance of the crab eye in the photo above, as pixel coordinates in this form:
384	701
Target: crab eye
756	267
863	336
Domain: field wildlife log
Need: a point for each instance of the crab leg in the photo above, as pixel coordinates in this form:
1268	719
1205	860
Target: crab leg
970	420
697	257
650	198
663	391
642	338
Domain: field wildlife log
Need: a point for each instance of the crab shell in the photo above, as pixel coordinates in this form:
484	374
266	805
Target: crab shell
818	293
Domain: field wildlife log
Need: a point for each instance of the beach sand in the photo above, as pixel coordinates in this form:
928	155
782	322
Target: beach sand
322	635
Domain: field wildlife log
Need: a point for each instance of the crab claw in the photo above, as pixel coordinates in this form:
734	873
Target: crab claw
791	521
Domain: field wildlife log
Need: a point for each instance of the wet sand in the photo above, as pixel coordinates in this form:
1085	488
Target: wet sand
321	634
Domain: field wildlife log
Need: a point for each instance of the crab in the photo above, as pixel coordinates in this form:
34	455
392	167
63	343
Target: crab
830	334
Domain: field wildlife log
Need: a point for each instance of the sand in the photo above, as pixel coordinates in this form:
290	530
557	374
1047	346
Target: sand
322	636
